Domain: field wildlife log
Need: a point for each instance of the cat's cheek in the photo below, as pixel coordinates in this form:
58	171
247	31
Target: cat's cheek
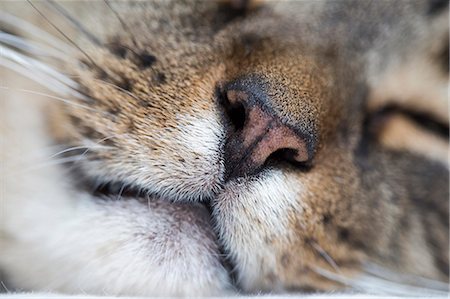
191	166
183	164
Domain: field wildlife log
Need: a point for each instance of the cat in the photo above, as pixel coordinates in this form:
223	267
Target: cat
182	148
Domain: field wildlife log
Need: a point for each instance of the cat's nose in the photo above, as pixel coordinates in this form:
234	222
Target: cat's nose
257	132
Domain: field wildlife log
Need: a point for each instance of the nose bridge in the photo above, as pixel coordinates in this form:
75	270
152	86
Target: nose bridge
294	85
263	132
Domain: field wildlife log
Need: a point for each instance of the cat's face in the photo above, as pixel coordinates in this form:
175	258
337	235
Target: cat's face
246	111
162	108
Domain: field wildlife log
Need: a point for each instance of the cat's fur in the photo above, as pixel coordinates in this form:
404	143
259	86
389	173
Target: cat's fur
118	182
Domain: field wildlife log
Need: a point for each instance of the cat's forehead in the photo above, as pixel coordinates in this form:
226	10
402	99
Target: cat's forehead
196	20
181	26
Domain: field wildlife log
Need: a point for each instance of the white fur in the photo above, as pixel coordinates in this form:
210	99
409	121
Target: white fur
55	239
200	173
247	214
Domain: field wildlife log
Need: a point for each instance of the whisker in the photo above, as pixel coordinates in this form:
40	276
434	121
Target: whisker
40	78
54	97
53	162
30	62
45	150
104	139
74	148
382	272
325	255
4	286
75	158
375	285
93	63
31	47
123	24
74	22
95	145
63	34
88	148
119	196
35	32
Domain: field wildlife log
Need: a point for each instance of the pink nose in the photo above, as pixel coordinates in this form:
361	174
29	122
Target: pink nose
258	134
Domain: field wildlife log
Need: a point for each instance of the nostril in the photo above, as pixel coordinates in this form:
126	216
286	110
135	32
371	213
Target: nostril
287	155
236	115
235	110
283	154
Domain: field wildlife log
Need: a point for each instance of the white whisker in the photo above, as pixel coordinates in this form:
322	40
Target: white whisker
77	148
382	272
34	31
31	47
75	158
62	146
53	162
4	286
325	255
53	97
35	64
375	285
94	145
40	78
